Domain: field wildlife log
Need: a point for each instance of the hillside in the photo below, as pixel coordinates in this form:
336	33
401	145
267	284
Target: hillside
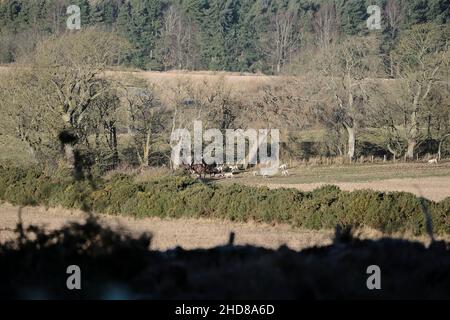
216	35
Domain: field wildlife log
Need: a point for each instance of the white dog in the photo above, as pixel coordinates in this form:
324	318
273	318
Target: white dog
433	161
229	175
283	167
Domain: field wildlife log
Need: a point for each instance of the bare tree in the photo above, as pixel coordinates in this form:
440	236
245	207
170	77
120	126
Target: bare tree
26	108
345	68
177	45
72	69
206	100
387	113
325	24
58	93
438	122
147	121
420	58
393	17
284	38
102	120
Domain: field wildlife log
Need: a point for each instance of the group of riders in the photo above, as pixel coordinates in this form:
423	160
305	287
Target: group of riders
203	169
227	171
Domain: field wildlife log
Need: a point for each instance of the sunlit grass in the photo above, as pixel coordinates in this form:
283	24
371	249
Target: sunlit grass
349	173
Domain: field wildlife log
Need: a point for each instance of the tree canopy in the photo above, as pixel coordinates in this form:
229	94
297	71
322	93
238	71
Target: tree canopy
231	35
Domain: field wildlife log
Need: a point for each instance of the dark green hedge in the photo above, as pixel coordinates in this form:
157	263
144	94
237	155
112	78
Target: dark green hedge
182	196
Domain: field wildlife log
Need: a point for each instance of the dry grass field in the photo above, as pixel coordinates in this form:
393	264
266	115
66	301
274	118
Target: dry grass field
238	81
186	233
169	233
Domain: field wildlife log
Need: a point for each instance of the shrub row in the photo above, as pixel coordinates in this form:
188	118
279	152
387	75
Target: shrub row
183	196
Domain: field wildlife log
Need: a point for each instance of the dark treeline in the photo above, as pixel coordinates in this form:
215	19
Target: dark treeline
232	35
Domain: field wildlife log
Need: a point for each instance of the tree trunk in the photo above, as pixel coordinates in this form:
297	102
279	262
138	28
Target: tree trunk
440	146
391	150
115	148
69	155
440	151
97	139
412	143
146	158
391	66
32	152
412	140
351	141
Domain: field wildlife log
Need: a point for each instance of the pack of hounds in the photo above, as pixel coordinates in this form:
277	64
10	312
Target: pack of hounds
228	171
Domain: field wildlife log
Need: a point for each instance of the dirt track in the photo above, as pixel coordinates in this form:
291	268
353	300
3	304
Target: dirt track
433	188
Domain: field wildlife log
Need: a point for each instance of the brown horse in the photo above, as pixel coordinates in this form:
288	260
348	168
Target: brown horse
201	169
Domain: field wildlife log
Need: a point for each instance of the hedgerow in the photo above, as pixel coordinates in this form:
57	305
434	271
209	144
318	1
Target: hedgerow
182	196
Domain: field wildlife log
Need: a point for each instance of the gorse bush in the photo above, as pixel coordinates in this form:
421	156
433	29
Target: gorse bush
182	196
32	186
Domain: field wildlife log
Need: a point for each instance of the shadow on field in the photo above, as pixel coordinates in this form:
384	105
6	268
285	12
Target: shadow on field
115	265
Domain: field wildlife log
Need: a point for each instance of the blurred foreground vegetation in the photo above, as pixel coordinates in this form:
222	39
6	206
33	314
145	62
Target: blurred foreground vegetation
116	266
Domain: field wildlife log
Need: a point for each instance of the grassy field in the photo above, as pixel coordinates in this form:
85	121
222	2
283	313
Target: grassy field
429	181
350	173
